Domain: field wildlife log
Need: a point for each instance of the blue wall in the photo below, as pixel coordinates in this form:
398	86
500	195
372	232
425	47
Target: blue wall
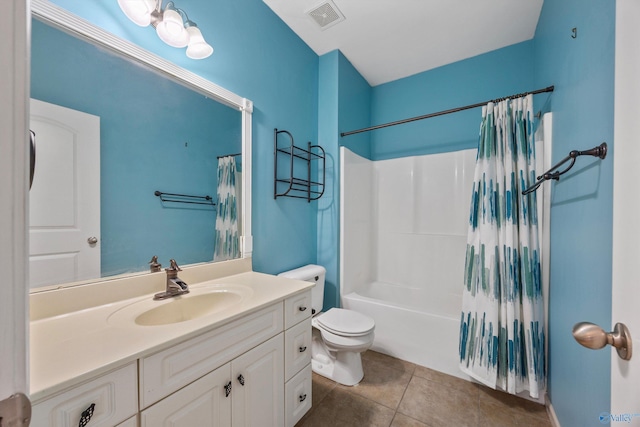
492	75
582	71
142	149
344	104
258	57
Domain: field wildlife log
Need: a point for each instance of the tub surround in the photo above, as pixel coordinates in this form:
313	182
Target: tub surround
412	215
403	238
72	340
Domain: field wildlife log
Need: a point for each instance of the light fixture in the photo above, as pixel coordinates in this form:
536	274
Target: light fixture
197	48
139	11
172	25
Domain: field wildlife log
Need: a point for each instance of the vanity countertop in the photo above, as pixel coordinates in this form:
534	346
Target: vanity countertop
71	347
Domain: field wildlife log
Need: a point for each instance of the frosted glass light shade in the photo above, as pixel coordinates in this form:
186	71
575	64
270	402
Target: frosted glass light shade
198	48
138	11
171	29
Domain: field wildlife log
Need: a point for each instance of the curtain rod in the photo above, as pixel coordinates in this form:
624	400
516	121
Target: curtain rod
442	113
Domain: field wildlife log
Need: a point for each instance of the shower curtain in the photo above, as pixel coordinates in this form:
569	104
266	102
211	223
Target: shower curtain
502	342
226	235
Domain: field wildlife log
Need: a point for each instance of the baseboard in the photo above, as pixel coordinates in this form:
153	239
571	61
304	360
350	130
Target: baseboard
552	413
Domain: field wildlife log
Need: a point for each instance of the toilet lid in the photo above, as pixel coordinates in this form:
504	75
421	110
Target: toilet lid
346	322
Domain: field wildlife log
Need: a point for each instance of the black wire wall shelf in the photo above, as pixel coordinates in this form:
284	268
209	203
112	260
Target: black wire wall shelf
293	178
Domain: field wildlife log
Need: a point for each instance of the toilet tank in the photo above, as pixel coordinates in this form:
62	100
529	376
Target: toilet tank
310	273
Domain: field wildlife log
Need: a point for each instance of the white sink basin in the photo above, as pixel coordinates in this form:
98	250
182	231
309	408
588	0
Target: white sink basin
198	303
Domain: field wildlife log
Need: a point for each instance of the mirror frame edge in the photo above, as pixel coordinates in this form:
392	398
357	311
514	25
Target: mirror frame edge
70	23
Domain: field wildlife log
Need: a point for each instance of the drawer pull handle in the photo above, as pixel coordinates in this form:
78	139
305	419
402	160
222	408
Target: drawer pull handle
241	379
302	308
227	389
302	397
85	417
302	349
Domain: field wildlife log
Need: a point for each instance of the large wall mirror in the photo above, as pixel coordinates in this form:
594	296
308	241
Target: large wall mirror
115	126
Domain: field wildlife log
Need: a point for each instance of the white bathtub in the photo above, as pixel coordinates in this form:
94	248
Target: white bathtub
405	329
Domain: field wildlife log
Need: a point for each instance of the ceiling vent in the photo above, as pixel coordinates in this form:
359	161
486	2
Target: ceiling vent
326	14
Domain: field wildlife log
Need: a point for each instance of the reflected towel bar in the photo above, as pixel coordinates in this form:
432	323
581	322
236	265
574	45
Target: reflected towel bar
599	151
185	198
229	155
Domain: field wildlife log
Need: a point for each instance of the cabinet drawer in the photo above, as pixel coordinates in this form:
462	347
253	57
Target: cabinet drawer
113	394
297	348
169	370
296	309
297	396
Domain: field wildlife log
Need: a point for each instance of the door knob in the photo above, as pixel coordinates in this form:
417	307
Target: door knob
92	240
594	337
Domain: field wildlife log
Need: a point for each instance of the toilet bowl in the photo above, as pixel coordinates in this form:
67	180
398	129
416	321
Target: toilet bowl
339	335
338	339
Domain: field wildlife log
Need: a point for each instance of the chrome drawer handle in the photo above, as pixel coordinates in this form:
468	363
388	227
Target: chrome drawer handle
302	349
302	397
85	417
302	308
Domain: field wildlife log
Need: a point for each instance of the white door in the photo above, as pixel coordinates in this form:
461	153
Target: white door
625	375
258	386
14	90
64	200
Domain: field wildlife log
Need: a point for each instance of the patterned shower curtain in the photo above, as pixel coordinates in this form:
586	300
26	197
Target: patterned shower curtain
226	237
502	339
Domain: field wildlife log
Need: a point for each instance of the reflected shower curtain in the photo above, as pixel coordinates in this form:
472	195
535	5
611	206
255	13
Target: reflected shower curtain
226	237
502	341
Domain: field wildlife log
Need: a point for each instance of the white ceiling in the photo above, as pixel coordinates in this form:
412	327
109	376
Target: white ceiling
386	40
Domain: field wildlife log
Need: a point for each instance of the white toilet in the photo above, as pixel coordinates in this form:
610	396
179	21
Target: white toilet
339	335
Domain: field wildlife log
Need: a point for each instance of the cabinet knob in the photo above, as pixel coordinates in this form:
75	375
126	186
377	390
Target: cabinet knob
227	389
302	308
302	349
85	417
241	379
302	397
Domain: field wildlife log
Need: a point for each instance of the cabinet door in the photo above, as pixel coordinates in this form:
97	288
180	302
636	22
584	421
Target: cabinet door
258	385
203	403
298	396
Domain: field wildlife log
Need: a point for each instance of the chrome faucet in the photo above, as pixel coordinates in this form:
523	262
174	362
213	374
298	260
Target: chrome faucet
175	285
154	265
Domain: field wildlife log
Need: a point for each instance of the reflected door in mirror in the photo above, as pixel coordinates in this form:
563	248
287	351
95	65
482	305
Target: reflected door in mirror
65	197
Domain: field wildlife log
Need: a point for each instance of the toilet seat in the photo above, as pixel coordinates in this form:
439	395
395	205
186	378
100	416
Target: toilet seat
345	323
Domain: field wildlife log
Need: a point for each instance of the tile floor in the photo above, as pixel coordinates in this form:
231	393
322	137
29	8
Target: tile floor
401	394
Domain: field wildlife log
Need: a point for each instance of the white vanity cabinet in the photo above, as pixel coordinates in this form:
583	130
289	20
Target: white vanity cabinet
253	370
265	380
